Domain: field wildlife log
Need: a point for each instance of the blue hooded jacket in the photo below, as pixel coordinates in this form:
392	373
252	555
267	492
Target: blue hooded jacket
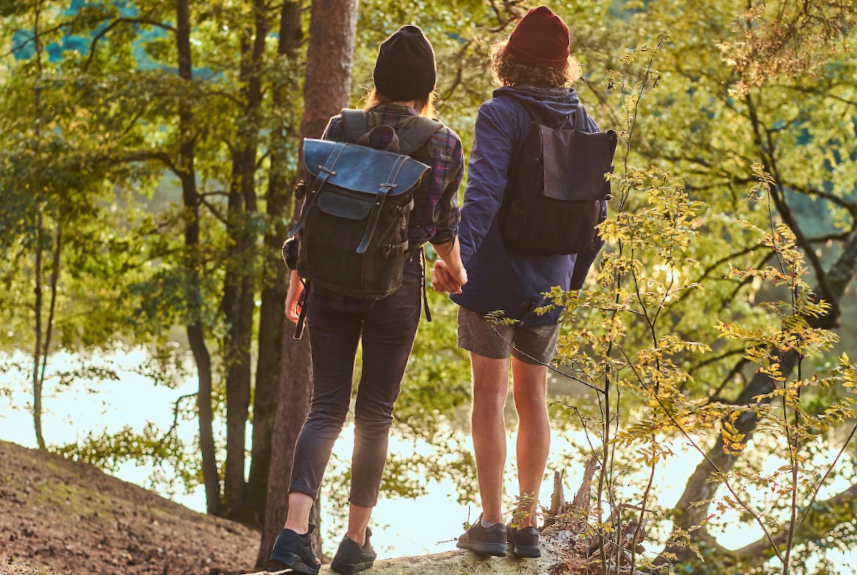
498	280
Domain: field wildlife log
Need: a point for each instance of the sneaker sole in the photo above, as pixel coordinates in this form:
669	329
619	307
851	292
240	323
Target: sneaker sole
482	548
293	562
527	551
350	569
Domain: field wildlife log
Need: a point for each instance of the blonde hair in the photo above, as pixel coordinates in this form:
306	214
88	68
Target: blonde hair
509	71
424	106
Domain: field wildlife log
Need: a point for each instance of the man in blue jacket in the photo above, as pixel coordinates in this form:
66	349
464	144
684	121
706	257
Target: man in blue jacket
535	69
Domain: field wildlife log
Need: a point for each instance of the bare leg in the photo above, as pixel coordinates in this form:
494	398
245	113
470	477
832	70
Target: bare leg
358	521
490	386
300	505
534	433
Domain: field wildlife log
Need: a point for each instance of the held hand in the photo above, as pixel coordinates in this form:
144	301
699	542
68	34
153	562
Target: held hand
445	280
296	289
459	276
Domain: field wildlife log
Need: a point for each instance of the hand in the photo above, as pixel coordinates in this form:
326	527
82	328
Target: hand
296	289
446	280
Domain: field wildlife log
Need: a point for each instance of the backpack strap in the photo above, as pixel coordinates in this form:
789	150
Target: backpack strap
324	173
411	138
417	134
580	119
375	214
354	125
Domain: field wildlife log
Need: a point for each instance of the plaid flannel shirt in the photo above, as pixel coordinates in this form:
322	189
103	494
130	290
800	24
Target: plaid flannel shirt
439	213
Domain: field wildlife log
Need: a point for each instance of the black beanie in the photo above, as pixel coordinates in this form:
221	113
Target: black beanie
406	68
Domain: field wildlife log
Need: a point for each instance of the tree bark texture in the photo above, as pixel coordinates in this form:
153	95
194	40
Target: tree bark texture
239	289
194	327
274	281
327	89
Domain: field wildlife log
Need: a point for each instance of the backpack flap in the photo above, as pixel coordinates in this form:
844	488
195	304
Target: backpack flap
365	170
350	207
575	163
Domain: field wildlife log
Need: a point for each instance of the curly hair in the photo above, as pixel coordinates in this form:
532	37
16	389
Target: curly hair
509	71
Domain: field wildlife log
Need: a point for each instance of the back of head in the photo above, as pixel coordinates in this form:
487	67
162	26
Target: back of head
406	68
537	52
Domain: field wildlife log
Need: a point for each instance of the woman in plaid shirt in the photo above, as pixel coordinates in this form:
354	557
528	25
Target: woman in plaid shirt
405	75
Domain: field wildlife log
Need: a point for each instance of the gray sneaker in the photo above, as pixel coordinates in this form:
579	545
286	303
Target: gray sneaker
294	551
524	542
350	558
489	541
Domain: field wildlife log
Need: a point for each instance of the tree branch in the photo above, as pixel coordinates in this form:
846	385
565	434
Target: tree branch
144	156
36	36
850	206
122	20
704	482
766	147
847	498
211	208
175	424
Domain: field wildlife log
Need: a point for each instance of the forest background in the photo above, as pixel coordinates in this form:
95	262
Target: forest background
149	153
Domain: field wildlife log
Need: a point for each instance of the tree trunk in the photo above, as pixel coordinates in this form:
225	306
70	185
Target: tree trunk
292	406
702	486
274	281
327	90
193	297
37	383
239	292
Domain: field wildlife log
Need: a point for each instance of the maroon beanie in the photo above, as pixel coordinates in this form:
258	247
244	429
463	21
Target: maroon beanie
541	39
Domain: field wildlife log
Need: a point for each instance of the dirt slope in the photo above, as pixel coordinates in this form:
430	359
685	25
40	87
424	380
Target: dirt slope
61	517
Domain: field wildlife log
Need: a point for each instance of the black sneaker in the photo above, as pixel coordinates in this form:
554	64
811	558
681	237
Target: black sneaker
293	551
350	558
524	542
484	541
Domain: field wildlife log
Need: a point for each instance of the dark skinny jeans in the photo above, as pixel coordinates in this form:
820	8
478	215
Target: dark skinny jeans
336	324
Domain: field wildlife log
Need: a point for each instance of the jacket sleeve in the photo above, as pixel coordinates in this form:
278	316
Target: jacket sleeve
487	175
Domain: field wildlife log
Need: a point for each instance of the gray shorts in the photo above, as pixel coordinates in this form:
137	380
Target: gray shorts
533	345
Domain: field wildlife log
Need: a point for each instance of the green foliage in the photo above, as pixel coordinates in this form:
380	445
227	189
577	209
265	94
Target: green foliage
739	132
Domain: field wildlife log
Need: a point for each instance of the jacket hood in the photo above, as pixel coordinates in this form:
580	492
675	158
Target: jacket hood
559	102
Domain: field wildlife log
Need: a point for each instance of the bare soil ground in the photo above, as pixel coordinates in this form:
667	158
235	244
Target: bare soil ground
62	517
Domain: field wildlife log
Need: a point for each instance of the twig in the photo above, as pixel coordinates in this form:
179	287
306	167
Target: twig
175	424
